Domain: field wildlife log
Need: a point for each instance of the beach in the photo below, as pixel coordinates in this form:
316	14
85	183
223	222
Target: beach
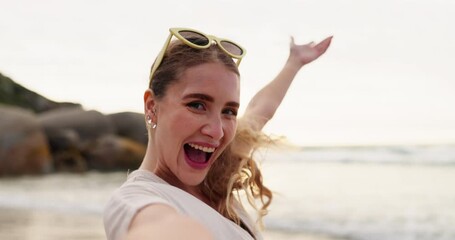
333	198
26	224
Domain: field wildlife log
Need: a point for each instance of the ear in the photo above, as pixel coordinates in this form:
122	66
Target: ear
150	104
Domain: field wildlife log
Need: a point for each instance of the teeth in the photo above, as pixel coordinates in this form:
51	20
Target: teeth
204	149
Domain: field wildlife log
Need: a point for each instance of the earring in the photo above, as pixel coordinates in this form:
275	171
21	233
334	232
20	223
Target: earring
149	120
154	113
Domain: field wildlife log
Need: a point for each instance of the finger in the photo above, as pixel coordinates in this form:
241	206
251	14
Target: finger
323	45
292	41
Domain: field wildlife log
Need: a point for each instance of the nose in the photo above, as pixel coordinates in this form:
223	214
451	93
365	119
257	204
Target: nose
213	128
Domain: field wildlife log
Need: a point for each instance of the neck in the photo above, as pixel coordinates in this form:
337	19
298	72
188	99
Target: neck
196	191
150	163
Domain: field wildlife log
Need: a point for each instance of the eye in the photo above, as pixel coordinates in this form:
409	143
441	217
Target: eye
230	111
196	106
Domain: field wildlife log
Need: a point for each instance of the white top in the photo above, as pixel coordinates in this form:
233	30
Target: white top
143	188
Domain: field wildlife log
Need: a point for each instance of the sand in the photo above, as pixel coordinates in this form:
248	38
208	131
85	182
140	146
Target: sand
28	224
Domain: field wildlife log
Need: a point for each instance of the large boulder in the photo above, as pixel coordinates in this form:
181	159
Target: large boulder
67	148
112	152
130	125
89	125
71	131
24	148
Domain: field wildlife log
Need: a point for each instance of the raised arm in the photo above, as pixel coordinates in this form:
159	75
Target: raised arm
264	104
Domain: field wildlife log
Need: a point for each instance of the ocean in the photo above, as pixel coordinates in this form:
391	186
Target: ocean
355	193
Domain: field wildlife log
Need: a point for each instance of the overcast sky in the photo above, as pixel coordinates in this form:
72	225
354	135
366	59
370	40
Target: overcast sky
388	78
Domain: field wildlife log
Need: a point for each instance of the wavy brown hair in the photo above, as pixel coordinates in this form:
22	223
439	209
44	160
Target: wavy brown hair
235	169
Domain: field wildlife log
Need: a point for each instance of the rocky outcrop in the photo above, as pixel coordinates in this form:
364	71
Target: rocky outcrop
38	135
23	145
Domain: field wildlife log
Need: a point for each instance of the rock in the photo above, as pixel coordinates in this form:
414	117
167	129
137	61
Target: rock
23	145
71	131
130	125
70	161
111	152
14	94
88	125
66	148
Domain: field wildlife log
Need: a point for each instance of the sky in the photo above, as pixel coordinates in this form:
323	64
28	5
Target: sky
387	78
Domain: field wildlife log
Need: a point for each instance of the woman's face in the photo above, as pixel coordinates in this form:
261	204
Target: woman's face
196	120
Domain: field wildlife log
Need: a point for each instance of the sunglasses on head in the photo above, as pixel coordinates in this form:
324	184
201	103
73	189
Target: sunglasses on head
199	40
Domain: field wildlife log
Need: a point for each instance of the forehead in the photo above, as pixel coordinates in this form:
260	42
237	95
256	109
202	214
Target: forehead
210	78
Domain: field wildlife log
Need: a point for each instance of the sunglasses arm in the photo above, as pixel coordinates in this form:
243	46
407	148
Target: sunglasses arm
160	56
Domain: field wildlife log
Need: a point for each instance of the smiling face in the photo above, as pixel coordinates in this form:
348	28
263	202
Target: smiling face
196	120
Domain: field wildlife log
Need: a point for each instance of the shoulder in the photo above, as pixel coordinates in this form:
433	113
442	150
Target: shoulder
140	190
162	222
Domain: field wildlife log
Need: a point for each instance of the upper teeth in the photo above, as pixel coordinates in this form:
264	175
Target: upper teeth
204	149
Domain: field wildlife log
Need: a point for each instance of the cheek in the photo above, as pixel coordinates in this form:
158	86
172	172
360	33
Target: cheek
170	125
182	122
230	129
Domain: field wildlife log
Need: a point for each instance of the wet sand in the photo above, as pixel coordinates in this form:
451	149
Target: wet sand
26	224
23	224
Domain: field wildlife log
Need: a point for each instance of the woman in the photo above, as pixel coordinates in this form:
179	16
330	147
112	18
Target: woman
199	154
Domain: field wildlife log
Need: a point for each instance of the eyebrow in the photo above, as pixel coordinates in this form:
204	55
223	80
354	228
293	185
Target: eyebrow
208	98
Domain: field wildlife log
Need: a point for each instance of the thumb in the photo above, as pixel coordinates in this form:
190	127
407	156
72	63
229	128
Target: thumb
292	41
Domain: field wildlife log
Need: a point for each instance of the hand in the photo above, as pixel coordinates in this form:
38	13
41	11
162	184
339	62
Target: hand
304	54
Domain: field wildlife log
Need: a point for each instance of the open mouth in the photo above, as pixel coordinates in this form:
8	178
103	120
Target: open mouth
198	154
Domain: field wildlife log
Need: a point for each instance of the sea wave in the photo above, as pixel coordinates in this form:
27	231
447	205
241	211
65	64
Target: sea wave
370	229
438	154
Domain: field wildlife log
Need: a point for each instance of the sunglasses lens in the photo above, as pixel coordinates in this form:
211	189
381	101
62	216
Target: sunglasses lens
232	48
195	38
